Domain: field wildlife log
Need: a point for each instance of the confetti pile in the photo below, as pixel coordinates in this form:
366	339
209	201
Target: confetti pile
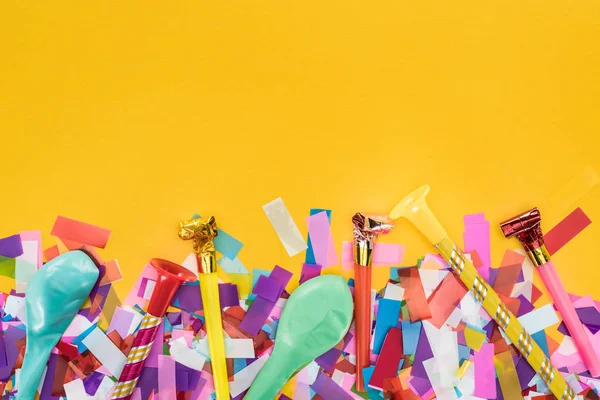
430	337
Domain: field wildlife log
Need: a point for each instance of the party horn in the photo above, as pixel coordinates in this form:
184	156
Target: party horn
169	279
414	208
366	230
526	227
52	299
202	232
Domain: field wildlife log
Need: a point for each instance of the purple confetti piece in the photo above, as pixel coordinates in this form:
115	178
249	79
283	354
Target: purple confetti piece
525	306
325	387
281	275
309	271
228	295
562	328
524	372
268	288
11	336
189	297
91	383
261	308
423	353
11	246
3	360
148	381
46	393
174	318
257	315
590	317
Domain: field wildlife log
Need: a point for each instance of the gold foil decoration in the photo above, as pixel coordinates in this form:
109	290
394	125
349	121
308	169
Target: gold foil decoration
202	232
366	230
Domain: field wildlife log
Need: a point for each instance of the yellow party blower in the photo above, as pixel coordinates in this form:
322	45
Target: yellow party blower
202	232
414	208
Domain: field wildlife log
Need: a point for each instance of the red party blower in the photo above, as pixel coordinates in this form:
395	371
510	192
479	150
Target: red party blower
366	230
170	277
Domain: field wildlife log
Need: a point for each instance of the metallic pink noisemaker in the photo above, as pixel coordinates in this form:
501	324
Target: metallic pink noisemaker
526	227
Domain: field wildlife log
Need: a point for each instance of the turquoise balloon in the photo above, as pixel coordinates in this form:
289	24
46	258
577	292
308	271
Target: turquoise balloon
53	297
315	318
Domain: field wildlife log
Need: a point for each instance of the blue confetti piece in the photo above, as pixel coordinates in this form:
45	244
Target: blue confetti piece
464	353
78	341
225	243
234	266
400	364
410	336
387	317
540	339
367	374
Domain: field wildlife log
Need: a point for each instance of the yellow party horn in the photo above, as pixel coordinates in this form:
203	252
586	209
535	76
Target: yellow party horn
202	232
414	208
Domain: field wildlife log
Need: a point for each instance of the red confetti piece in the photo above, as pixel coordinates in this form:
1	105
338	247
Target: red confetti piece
70	229
566	230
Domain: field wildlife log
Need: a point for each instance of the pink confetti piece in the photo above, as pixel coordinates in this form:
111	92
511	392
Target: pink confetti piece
384	255
485	375
322	240
166	378
477	237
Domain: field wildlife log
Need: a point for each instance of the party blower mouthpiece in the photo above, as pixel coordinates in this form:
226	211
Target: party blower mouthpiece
527	228
414	208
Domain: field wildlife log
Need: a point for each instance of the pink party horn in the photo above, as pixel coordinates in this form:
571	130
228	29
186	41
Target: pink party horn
526	227
170	277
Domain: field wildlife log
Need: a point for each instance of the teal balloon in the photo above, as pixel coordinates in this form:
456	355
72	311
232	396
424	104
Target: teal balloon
53	297
315	318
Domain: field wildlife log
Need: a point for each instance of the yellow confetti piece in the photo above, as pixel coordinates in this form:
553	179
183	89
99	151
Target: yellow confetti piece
464	367
289	388
507	376
243	282
474	338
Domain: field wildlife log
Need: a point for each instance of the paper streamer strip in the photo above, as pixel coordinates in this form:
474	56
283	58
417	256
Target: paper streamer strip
477	238
566	230
322	240
81	232
384	255
285	227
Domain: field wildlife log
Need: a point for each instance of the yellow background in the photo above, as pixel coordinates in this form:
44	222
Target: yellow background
133	115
